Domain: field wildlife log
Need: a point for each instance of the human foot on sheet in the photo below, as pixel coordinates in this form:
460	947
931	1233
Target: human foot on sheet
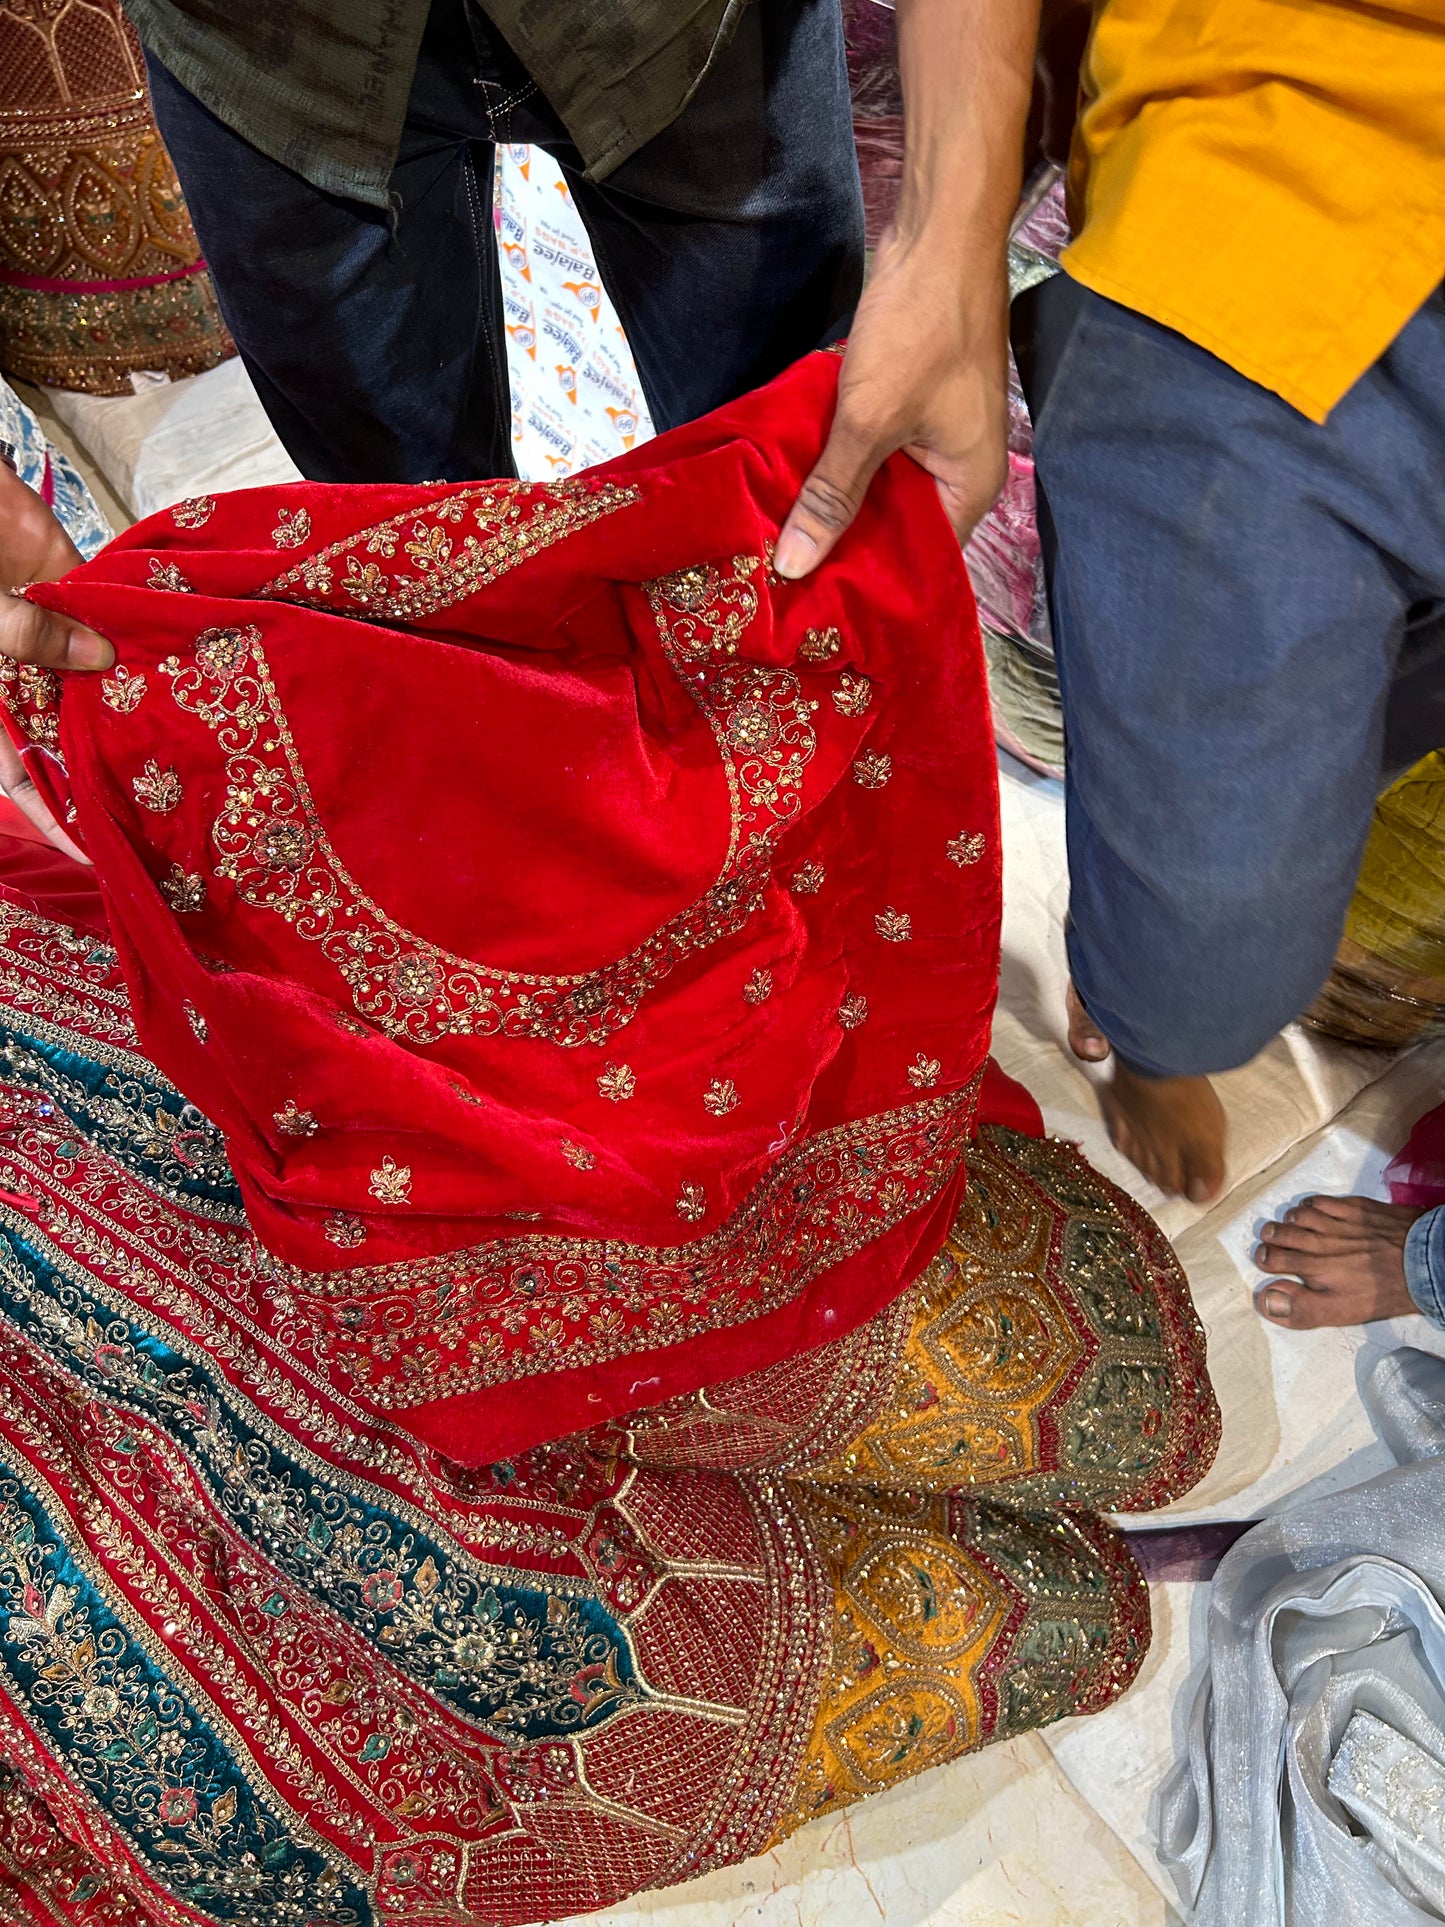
1171	1128
1344	1260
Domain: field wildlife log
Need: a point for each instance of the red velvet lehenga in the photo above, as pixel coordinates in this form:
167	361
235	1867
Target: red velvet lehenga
536	1355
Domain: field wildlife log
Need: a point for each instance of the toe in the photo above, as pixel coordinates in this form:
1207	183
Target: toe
1086	1040
1279	1303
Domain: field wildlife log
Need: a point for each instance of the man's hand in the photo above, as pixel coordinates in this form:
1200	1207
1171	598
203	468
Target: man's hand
35	548
926	371
927	363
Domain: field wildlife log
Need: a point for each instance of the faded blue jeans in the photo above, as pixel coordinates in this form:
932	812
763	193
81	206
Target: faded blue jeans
1247	612
1425	1264
731	244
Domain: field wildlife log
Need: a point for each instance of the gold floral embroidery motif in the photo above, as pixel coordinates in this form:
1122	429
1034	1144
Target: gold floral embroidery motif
852	696
123	691
345	1231
184	890
894	926
924	1072
195	513
578	1155
820	645
515	520
966	849
618	1082
292	1121
714	613
759	986
274	847
853	1011
166	575
156	788
200	1029
391	1182
293	526
808	881
720	1097
871	772
691	1202
32	697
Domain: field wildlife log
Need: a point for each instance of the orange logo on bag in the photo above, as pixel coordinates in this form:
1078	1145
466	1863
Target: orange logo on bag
624	420
588	294
524	336
517	258
568	379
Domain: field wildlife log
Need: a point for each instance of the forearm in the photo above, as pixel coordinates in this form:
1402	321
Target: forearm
967	71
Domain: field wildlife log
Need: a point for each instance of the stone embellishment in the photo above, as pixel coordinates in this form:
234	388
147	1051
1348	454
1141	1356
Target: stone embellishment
165	575
894	926
195	513
966	849
852	696
853	1011
871	772
344	1231
691	1202
200	1029
577	1155
184	890
808	881
292	1121
759	987
924	1072
391	1182
617	1082
157	789
720	1097
292	528
820	645
123	691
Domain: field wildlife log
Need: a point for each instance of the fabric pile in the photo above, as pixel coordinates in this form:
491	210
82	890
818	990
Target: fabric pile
101	279
51	474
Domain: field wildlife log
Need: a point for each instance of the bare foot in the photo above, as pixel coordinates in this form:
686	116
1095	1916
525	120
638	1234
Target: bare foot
1172	1128
1346	1263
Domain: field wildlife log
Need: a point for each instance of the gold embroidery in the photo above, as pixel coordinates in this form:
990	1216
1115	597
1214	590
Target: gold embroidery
924	1072
516	520
691	1202
720	1097
853	1011
617	1081
852	696
871	772
184	890
391	1182
966	849
32	696
578	1155
199	1027
894	926
808	881
722	610
759	986
195	513
292	1121
156	788
344	1230
166	575
123	691
820	645
292	528
275	849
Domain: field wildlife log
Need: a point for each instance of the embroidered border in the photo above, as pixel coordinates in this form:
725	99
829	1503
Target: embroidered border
274	847
415	1331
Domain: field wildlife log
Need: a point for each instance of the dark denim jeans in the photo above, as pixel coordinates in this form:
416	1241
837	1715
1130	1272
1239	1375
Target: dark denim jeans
731	244
1247	611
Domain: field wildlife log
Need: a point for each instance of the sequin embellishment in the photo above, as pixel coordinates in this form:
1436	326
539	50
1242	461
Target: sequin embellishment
184	890
852	696
894	926
966	849
292	1121
124	690
871	772
691	1203
292	528
924	1072
391	1182
720	1097
195	513
156	788
853	1011
617	1081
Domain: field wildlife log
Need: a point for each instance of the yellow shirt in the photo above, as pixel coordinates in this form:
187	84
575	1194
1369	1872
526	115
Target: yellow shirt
1266	177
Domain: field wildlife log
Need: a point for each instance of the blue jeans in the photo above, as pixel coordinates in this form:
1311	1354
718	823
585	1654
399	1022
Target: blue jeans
1249	616
1425	1264
731	244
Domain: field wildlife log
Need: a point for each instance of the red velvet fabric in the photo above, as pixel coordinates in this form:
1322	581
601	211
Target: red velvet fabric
586	942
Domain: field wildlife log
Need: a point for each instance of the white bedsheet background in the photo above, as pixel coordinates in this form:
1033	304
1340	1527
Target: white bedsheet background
1054	1830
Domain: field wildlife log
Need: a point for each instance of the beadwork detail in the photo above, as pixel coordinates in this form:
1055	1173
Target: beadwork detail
966	848
184	890
853	1011
820	645
123	690
720	1097
871	772
292	1121
577	1155
200	1029
894	926
808	881
617	1081
391	1182
167	575
691	1203
924	1072
293	527
195	513
852	696
759	986
345	1231
156	788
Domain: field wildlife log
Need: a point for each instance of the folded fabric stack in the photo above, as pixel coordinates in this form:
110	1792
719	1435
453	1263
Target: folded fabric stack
101	277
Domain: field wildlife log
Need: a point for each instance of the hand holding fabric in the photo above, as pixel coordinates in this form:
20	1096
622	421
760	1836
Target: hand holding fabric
35	548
